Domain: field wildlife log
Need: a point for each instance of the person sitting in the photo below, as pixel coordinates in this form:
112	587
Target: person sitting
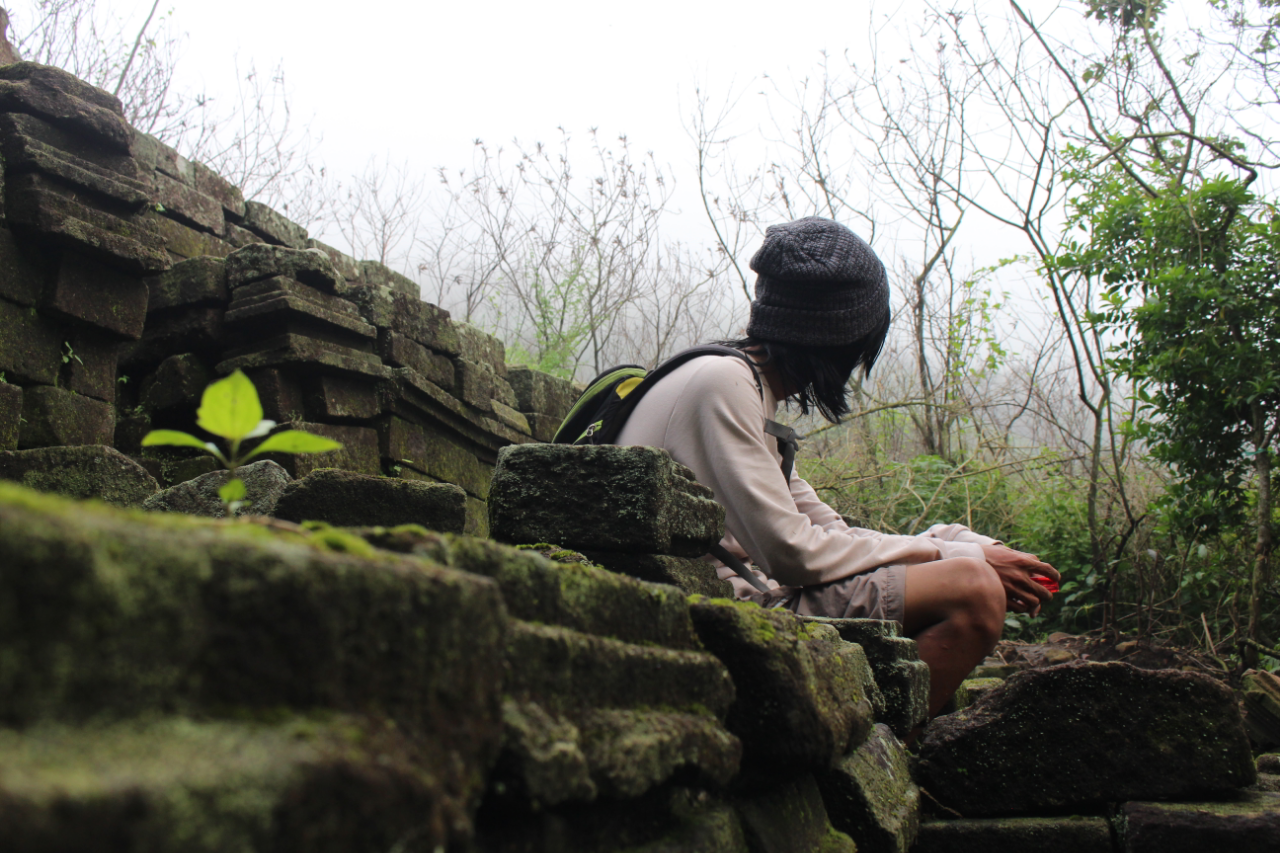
821	311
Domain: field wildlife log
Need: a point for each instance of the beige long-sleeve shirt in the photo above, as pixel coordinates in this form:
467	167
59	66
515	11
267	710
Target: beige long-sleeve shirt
709	415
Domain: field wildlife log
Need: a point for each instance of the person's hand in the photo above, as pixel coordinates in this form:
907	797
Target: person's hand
1015	569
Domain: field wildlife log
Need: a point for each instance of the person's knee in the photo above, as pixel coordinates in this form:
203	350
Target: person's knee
984	597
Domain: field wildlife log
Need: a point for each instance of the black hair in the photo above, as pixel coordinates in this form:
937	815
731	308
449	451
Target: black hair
820	374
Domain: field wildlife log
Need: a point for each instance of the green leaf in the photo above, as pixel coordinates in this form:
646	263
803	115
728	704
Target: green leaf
172	437
295	441
233	490
230	408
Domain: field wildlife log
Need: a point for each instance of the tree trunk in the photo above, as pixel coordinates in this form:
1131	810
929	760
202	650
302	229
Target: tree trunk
1262	548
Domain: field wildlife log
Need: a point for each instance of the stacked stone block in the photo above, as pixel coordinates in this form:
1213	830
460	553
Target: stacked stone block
131	277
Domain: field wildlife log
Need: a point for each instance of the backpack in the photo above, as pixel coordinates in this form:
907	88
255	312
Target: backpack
602	411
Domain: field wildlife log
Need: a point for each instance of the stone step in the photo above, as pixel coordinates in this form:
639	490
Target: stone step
1248	823
1074	834
172	785
902	677
804	696
108	613
577	596
565	670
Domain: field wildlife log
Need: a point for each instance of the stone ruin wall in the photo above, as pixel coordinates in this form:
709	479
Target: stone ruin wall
116	309
172	683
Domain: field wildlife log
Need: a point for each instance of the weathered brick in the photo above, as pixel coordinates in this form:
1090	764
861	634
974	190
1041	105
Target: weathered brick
78	146
211	184
23	153
359	451
10	415
22	270
198	281
180	380
188	205
407	315
55	416
183	242
478	386
197	330
332	397
295	349
481	348
36	204
273	227
398	351
375	274
87	290
280	393
347	266
428	451
64	100
30	345
541	393
260	261
89	365
605	498
240	237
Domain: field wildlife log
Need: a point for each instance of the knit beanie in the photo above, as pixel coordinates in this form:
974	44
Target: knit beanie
818	284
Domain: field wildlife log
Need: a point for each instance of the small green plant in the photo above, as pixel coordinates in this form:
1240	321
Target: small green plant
69	353
230	410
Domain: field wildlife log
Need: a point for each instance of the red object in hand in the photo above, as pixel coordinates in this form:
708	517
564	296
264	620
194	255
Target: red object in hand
1046	582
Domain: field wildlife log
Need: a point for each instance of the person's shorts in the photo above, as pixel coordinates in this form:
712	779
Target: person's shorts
878	594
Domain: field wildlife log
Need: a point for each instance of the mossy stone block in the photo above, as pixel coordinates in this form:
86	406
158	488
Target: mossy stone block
1087	733
187	243
90	471
869	795
541	393
89	291
1073	834
359	451
264	482
197	281
399	351
259	261
346	265
66	102
10	415
195	329
273	227
179	382
803	694
112	614
479	347
38	207
572	595
339	398
374	274
188	205
31	345
567	670
693	576
478	386
406	314
22	270
791	818
604	498
348	499
91	363
1246	823
179	786
56	417
902	677
431	452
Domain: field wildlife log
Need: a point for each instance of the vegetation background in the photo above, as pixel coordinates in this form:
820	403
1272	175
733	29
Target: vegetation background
1104	392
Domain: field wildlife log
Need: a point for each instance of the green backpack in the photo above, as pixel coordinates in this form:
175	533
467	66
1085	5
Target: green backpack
602	411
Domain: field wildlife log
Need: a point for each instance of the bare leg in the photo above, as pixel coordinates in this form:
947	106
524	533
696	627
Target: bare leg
955	612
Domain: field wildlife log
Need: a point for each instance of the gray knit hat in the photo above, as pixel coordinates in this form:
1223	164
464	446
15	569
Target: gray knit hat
818	284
